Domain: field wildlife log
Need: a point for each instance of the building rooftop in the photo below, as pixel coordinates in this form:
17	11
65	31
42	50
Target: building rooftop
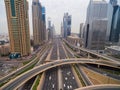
74	37
117	48
98	1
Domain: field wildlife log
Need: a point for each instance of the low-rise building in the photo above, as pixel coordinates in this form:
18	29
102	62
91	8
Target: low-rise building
75	40
113	50
4	49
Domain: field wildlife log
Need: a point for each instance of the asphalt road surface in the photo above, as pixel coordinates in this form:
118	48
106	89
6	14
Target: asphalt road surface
54	51
51	79
69	82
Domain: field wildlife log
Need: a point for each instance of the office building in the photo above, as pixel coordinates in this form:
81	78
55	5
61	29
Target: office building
97	25
39	23
51	30
62	31
4	50
67	25
81	30
44	23
115	26
113	50
37	16
114	2
18	26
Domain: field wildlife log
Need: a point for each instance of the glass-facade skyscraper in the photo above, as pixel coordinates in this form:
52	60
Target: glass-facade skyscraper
115	26
97	24
66	25
39	24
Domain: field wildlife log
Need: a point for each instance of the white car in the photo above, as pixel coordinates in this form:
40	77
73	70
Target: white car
73	78
53	86
50	78
66	78
64	85
68	87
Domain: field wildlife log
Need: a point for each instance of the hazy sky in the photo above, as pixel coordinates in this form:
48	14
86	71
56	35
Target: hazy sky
55	9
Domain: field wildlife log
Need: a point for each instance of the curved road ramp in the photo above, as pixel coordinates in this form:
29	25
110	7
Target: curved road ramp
101	87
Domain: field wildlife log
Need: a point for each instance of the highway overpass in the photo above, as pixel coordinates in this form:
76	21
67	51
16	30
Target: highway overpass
117	61
20	80
101	87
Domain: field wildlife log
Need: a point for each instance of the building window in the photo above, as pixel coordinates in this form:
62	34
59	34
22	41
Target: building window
34	3
12	7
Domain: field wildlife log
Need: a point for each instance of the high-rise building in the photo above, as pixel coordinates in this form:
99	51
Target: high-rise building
62	31
39	23
44	22
97	24
18	26
37	16
43	14
115	26
114	2
67	25
51	29
81	30
49	23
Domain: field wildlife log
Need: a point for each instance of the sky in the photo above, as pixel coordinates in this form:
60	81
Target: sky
55	9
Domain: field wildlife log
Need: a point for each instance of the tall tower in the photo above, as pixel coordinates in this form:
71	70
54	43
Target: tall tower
115	26
114	2
39	24
44	22
18	26
37	16
67	25
97	24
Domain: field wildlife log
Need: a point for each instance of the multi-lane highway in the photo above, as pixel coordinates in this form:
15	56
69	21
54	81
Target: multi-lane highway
117	61
59	58
20	80
26	67
51	79
51	76
99	70
54	51
101	87
69	82
61	51
85	79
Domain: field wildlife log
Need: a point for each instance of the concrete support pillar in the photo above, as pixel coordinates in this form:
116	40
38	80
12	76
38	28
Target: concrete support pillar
98	66
88	55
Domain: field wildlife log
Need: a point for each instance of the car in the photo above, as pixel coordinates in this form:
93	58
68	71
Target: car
50	78
66	78
53	86
64	85
68	87
105	74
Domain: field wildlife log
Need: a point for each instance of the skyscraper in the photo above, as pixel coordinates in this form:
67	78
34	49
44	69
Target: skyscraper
50	29
81	30
97	24
37	25
67	25
44	22
62	31
43	14
114	2
18	26
115	26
